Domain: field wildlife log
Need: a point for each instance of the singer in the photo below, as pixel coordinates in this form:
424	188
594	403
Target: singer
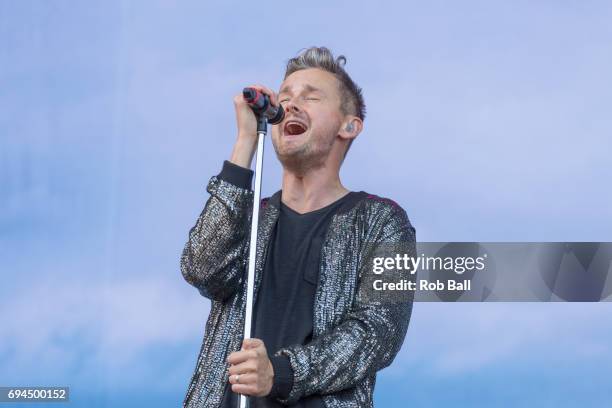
318	339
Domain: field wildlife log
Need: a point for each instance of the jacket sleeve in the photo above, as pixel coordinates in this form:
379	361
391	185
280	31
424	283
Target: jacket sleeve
368	338
214	258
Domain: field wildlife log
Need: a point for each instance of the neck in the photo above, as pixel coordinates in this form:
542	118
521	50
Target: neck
312	190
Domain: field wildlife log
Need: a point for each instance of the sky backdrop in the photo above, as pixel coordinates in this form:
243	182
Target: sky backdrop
486	121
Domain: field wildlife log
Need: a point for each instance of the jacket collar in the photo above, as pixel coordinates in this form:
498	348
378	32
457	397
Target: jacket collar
275	200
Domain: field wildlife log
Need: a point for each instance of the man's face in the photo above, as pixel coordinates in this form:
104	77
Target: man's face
311	100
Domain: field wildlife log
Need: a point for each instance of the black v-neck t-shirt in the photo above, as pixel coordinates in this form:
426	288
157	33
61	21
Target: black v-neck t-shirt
284	310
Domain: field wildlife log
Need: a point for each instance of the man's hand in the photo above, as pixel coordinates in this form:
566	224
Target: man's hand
246	121
251	371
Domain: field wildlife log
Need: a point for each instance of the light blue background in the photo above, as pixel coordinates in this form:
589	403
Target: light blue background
487	121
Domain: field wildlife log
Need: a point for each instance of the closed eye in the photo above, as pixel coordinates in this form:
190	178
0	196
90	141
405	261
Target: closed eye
308	99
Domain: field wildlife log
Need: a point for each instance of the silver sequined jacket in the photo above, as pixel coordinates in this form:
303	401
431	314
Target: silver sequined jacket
353	336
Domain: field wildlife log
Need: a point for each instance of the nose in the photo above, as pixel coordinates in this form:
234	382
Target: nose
291	106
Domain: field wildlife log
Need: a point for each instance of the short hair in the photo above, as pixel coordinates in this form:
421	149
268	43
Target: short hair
351	96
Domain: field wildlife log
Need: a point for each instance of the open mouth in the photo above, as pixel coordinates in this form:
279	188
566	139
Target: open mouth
294	128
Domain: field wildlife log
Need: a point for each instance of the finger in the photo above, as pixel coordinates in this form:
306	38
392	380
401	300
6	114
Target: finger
238	357
245	379
272	95
242	368
267	91
239	99
244	389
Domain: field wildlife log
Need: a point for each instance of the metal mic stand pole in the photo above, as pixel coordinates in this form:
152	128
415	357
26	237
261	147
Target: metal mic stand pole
262	126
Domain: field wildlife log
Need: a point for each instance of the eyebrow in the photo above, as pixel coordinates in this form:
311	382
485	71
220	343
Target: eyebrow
307	88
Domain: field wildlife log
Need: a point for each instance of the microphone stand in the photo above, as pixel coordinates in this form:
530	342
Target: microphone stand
262	127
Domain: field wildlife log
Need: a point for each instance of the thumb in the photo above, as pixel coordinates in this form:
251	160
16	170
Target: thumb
251	343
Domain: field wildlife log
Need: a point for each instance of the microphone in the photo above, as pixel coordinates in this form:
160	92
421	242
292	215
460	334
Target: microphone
261	105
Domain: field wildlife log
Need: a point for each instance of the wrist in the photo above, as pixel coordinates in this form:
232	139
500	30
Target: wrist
243	151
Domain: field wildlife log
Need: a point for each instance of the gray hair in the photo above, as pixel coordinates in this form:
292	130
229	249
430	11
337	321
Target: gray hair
351	97
322	58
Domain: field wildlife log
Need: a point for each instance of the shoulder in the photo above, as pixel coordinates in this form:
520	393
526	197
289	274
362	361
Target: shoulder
385	213
382	205
381	202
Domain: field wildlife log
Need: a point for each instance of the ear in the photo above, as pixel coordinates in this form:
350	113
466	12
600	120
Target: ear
350	128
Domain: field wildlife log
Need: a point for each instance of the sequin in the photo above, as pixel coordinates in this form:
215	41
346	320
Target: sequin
353	336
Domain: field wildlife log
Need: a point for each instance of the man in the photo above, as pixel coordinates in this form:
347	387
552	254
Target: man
319	338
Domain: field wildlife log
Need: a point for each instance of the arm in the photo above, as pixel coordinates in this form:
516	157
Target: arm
366	341
214	258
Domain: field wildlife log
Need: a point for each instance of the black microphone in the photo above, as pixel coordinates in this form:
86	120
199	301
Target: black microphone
261	105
